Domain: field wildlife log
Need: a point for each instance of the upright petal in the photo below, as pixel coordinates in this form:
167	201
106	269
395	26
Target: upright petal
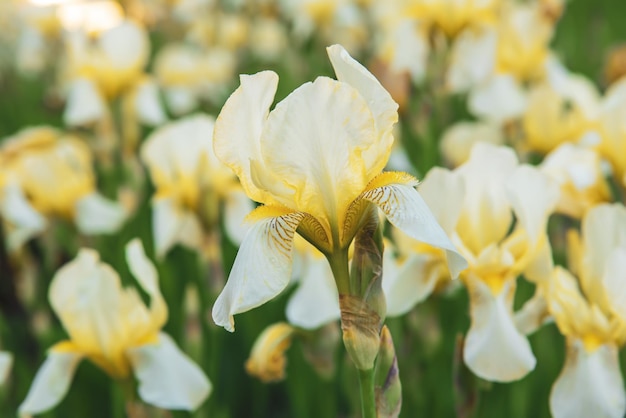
533	196
590	384
614	281
146	274
167	377
444	192
313	143
494	349
262	267
51	382
381	104
486	215
395	195
238	127
500	99
95	214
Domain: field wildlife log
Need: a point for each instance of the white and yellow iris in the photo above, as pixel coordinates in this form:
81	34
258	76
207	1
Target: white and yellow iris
192	186
315	163
112	327
496	212
49	174
590	312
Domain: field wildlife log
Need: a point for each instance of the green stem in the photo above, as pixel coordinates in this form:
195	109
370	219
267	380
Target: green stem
338	261
368	397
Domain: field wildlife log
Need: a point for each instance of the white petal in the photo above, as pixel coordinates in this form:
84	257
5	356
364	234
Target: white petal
126	45
148	104
96	214
167	377
51	382
603	229
494	348
472	58
142	268
238	127
313	142
500	99
540	266
180	100
236	207
407	284
533	196
24	219
315	302
590	384
444	192
171	225
532	315
6	361
614	281
85	104
383	107
406	210
261	270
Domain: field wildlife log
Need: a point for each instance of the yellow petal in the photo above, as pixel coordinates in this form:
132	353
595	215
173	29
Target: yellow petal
267	360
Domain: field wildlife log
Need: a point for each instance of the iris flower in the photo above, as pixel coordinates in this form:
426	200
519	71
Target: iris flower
315	163
113	328
591	313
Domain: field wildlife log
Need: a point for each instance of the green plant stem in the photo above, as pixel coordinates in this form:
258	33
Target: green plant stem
368	397
338	261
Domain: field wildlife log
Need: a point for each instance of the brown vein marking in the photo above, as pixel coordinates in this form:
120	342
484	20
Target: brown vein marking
281	231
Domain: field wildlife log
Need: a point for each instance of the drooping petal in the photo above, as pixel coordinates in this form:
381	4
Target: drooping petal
171	225
6	360
494	349
532	315
381	104
313	143
499	99
26	222
51	382
395	195
237	206
409	283
267	360
146	274
262	267
315	302
167	377
533	196
85	104
95	214
238	127
590	384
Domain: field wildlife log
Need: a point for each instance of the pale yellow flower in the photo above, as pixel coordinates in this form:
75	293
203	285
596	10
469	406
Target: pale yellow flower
452	16
612	128
590	312
476	205
457	141
315	162
50	174
113	328
193	188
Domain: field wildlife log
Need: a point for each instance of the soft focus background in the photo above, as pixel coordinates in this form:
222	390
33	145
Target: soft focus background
435	382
